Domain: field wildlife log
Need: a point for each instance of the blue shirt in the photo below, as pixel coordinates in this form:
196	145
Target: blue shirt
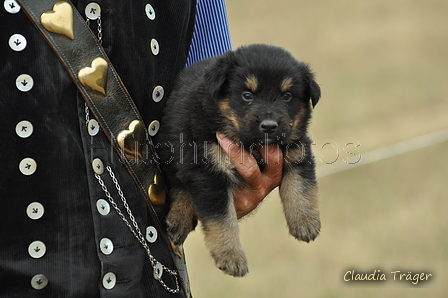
211	36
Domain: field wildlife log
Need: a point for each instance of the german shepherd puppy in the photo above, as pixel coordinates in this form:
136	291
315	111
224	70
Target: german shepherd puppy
256	95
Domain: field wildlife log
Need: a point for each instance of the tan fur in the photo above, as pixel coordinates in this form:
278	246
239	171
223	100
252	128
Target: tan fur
227	112
298	121
293	154
252	83
182	215
222	239
286	84
300	205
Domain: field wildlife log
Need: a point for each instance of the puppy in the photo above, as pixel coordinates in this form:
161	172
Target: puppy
257	95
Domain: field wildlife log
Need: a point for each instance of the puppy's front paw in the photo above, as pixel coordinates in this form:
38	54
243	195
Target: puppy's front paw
178	228
232	262
305	227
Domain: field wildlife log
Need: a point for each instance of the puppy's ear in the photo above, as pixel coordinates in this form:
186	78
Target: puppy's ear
314	90
217	75
313	87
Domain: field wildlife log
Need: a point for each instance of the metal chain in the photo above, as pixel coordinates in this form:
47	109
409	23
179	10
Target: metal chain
156	265
100	31
86	110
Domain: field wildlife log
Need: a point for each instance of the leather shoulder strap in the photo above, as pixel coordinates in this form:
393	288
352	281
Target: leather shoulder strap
103	90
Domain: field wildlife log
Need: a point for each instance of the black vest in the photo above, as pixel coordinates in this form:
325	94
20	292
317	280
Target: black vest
60	236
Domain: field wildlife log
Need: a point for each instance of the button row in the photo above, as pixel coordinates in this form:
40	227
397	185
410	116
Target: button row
27	166
158	92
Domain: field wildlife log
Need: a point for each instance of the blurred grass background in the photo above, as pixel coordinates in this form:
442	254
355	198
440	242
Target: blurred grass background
383	69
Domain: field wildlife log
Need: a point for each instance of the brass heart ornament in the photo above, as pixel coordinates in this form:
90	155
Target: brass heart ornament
132	140
156	191
59	20
95	77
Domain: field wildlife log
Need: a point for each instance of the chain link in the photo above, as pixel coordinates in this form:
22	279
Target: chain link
86	110
100	31
156	265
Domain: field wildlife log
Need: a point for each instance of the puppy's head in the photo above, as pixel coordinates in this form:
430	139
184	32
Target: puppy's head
264	95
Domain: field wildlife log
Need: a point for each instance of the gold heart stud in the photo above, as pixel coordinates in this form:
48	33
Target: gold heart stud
131	140
59	20
95	77
156	191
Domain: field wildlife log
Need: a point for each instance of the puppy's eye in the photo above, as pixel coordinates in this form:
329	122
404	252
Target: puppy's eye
286	97
247	96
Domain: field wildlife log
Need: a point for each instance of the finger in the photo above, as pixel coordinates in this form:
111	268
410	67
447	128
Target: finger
243	161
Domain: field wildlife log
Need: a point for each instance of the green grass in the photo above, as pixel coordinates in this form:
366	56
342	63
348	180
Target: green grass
383	69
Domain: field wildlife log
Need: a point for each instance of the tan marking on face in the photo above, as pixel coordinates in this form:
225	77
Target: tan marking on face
286	84
252	83
227	112
297	121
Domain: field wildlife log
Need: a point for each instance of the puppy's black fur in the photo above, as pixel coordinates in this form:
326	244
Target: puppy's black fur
257	95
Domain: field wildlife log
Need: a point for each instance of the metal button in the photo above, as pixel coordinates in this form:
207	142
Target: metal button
17	42
93	11
24	129
150	13
157	93
35	210
93	127
153	128
109	280
106	246
98	166
37	249
28	166
154	47
39	281
103	207
24	82
11	6
151	234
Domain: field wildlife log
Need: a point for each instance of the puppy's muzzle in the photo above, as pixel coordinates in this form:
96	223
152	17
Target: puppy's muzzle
268	126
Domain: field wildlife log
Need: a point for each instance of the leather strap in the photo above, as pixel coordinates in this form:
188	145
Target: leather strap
114	109
91	70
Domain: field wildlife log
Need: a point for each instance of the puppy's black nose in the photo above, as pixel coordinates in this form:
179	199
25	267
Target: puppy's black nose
268	126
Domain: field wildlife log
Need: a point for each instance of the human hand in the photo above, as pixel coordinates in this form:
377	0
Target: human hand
258	183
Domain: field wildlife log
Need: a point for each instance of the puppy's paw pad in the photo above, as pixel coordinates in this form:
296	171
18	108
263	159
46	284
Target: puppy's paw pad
306	230
233	263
